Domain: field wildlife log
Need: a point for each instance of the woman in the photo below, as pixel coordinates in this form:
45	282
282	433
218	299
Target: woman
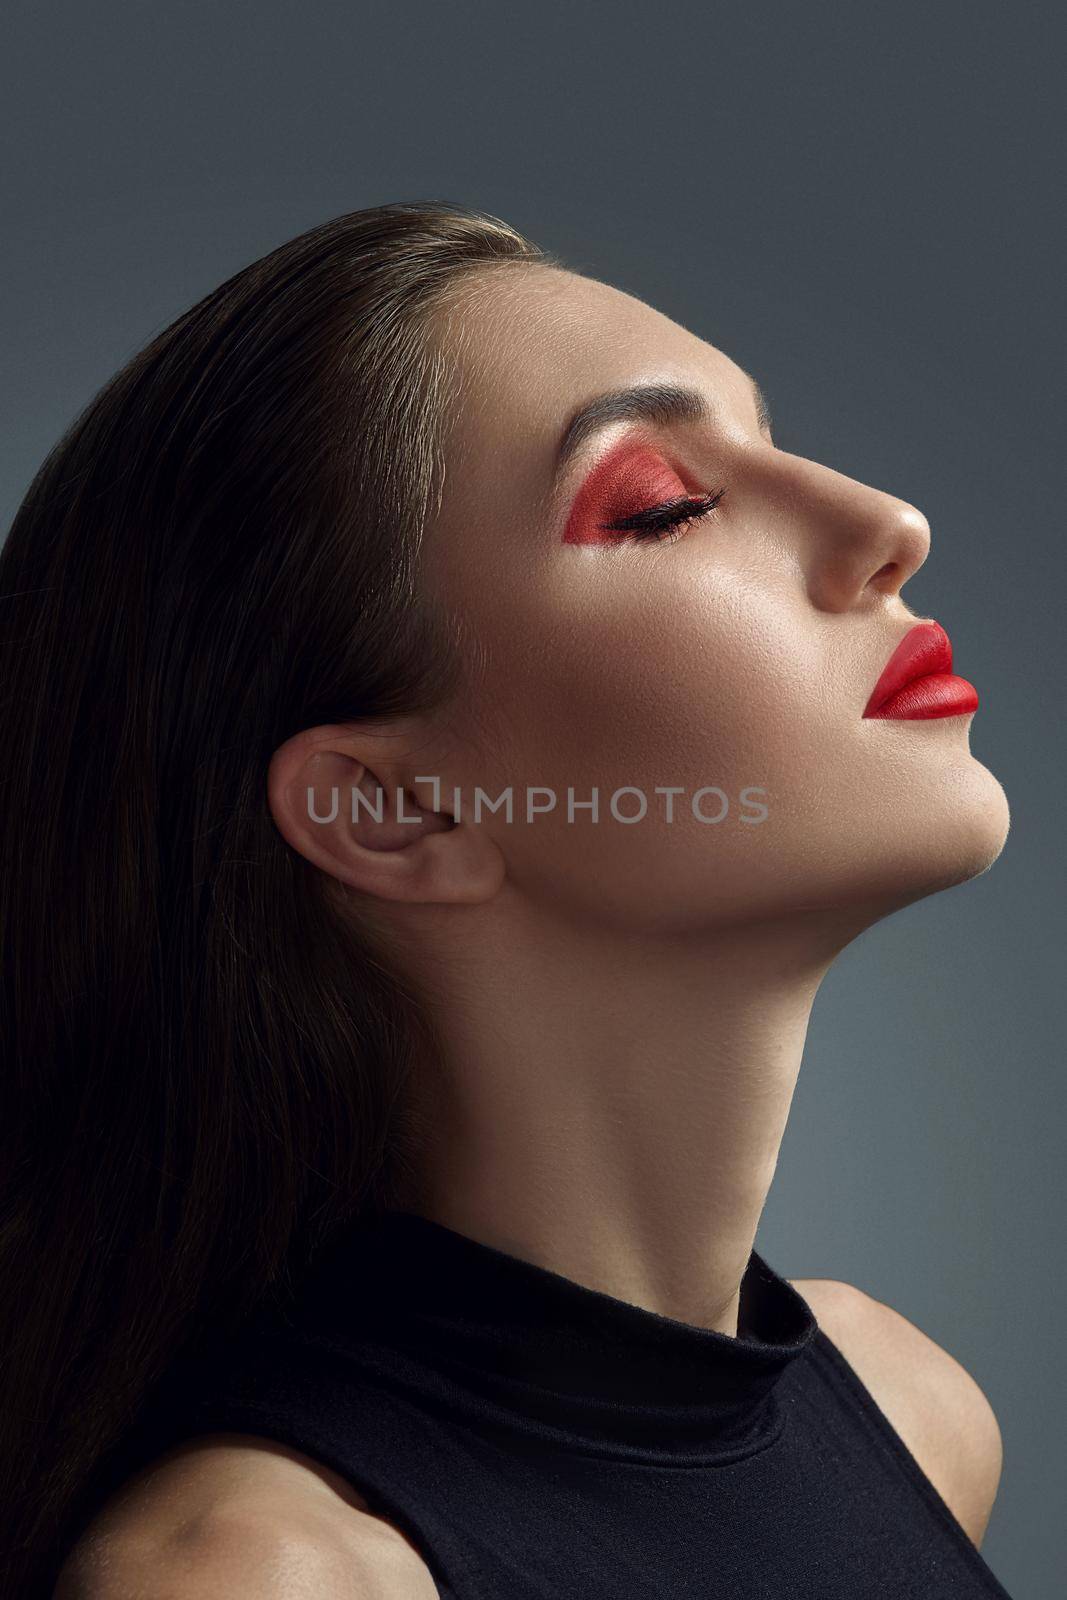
384	1162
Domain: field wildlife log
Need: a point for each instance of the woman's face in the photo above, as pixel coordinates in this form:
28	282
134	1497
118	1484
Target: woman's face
735	657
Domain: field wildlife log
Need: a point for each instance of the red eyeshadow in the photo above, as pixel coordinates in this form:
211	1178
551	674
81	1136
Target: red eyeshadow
631	477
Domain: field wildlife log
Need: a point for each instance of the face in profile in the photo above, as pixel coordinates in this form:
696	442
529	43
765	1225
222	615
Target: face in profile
733	653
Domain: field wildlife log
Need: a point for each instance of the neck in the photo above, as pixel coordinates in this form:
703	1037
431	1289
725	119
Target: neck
613	1108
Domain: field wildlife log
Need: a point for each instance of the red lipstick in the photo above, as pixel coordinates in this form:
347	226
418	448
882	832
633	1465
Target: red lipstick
918	680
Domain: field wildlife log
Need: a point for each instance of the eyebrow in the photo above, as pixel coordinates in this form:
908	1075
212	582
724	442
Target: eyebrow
662	403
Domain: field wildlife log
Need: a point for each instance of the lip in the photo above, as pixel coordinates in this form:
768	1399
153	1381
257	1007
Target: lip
918	682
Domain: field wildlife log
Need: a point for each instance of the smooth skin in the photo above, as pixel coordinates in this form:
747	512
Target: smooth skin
622	1009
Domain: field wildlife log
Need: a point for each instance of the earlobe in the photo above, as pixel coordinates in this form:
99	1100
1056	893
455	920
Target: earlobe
363	827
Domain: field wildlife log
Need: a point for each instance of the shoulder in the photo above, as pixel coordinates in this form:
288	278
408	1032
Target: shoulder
931	1401
242	1516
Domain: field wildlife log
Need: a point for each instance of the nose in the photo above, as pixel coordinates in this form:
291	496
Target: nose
857	542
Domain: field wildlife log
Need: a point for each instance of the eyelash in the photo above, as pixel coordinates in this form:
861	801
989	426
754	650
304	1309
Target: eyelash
667	520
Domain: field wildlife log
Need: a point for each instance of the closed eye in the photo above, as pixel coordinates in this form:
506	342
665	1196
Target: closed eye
666	521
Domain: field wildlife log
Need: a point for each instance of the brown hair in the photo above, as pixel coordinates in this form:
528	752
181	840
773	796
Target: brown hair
203	1068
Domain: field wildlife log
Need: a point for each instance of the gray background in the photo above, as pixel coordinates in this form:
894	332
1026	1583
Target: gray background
863	206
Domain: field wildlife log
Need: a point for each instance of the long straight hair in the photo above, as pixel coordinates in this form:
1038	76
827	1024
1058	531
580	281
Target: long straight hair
203	1069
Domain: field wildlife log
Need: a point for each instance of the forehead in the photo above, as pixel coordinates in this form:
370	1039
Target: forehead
531	345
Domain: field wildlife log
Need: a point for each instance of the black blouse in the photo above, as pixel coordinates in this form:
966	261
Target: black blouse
536	1438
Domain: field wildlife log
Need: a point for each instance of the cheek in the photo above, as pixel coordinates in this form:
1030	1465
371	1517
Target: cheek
694	690
657	674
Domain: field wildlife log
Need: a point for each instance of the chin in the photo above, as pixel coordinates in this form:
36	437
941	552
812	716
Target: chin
930	837
950	842
977	830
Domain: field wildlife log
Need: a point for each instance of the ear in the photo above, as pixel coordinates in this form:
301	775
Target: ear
338	796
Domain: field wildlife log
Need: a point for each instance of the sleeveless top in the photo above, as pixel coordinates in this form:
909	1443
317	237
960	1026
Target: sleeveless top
537	1438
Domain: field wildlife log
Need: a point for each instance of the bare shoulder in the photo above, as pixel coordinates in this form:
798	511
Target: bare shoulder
932	1402
238	1515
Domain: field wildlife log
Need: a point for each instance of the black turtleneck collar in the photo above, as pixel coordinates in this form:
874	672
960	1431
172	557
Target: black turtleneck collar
510	1347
